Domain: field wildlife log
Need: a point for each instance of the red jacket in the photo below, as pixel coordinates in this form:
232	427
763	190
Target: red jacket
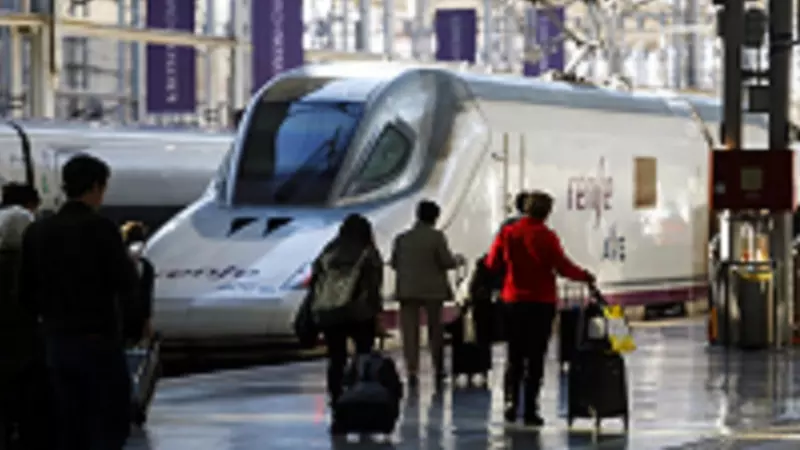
531	254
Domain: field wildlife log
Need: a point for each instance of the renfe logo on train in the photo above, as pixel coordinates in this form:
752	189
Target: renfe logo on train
591	192
210	273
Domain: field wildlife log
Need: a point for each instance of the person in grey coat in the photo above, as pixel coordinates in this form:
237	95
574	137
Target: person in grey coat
421	258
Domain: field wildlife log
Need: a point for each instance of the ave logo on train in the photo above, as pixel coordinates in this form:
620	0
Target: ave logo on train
592	192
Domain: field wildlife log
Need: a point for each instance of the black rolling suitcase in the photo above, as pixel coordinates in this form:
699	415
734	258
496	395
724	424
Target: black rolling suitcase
471	355
370	403
144	364
568	319
597	380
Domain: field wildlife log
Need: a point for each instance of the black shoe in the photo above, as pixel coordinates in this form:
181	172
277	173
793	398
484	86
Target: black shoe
534	420
510	414
413	381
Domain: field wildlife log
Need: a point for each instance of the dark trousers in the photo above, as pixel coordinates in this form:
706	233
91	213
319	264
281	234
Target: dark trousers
92	392
29	422
363	336
528	326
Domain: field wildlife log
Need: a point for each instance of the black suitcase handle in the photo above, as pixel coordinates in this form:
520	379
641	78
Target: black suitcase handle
596	295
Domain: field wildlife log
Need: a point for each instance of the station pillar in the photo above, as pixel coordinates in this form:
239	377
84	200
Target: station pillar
780	41
44	79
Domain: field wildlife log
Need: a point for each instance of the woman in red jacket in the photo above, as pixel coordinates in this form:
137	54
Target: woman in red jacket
531	255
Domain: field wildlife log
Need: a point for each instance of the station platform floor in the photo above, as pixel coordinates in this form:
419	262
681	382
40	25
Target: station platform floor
683	395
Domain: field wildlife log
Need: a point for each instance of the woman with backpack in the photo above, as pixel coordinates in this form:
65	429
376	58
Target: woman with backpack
346	295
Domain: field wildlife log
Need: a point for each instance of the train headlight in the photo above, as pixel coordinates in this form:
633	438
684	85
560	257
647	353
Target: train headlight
300	279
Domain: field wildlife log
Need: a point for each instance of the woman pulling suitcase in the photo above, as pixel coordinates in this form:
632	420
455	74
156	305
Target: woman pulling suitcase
530	255
344	302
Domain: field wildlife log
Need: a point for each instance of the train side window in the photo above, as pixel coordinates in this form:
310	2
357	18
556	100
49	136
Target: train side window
645	183
388	158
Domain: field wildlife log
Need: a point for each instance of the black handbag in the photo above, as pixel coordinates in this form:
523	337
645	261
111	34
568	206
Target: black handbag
305	328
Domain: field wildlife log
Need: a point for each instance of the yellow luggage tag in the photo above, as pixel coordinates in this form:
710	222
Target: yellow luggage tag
619	332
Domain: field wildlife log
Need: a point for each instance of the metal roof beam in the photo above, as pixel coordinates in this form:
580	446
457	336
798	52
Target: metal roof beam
89	28
22	20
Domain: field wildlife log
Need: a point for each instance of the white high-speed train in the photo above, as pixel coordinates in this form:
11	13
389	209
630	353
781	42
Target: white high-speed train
155	172
628	171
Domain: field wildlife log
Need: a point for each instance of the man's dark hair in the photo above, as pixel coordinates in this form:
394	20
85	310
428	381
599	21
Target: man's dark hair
539	205
20	194
519	201
428	212
82	173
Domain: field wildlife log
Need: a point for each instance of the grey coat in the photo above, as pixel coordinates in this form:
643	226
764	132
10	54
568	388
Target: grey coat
421	258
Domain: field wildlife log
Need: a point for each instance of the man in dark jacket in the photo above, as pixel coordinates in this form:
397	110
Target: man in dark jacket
77	279
532	255
23	383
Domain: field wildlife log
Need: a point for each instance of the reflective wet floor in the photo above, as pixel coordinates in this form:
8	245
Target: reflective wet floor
682	394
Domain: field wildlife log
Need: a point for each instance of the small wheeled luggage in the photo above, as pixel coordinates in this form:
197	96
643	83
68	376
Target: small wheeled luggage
144	364
471	353
370	403
568	319
598	386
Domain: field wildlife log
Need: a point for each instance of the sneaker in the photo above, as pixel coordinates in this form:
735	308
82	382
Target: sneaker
534	421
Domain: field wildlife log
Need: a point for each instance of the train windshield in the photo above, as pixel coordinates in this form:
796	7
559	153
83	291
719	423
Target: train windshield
294	150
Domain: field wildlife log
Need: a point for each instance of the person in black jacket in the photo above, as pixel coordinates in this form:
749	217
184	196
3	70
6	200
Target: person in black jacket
138	325
77	279
354	249
26	421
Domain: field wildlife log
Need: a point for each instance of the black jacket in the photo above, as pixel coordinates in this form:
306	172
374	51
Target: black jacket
134	322
76	275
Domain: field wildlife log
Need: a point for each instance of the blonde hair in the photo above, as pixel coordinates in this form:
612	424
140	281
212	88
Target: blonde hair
133	231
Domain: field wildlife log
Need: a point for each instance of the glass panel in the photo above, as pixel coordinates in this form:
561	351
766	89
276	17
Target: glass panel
294	150
386	161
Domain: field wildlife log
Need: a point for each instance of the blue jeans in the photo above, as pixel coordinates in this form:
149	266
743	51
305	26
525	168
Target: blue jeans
92	392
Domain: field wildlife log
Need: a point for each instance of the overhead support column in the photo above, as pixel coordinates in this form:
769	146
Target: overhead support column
388	28
487	32
365	30
138	87
42	87
240	12
122	60
780	38
15	74
420	32
211	91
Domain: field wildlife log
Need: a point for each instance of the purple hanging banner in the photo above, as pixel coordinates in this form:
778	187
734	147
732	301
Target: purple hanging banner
171	70
277	38
541	31
456	34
